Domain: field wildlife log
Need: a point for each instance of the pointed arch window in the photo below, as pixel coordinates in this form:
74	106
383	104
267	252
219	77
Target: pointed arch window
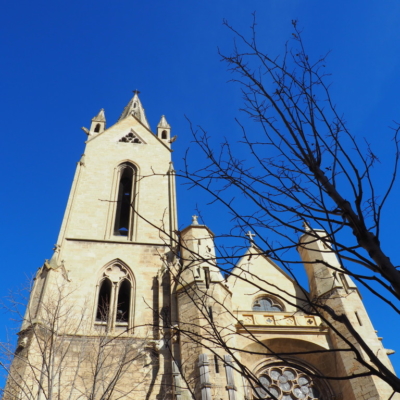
97	128
125	198
103	303
115	298
124	300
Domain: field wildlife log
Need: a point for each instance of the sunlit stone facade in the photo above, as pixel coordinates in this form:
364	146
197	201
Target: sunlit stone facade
120	311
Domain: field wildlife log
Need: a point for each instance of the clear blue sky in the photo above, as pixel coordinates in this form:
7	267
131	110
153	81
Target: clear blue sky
63	61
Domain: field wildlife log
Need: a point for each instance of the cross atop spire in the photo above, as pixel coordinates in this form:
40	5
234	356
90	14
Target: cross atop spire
251	236
136	109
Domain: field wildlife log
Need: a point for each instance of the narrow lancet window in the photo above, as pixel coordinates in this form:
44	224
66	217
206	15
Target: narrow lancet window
163	134
124	202
207	276
97	128
124	300
103	304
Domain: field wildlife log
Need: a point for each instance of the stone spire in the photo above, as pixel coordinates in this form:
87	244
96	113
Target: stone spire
100	117
136	109
163	123
164	131
98	124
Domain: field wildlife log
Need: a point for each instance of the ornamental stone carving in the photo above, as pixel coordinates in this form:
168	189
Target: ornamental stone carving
115	273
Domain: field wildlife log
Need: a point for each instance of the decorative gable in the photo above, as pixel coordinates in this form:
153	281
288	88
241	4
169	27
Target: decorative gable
132	137
257	284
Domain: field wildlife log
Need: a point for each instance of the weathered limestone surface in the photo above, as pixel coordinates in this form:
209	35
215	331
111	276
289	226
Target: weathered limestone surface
179	329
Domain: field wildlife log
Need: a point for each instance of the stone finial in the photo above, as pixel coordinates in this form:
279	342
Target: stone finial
57	248
171	167
307	226
194	220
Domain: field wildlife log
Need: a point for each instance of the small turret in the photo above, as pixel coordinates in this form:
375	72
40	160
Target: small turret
164	130
198	255
98	123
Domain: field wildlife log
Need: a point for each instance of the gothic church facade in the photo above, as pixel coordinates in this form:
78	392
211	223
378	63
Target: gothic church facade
130	308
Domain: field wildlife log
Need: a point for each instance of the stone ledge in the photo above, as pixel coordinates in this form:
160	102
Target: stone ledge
269	319
116	242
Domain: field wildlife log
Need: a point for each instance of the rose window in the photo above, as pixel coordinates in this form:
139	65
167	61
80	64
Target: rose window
287	384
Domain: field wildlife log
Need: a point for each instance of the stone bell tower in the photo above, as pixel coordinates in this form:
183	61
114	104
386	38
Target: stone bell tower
91	325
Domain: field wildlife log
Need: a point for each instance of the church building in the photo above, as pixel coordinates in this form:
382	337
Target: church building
130	308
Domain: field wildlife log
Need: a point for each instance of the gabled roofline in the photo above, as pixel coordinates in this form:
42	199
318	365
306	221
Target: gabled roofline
140	122
261	253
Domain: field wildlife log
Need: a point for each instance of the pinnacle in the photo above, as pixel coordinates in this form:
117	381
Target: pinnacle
100	117
163	123
135	109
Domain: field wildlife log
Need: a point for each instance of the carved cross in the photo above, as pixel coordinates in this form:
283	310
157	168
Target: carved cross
251	236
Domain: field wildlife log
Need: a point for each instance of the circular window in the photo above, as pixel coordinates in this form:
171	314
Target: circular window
286	383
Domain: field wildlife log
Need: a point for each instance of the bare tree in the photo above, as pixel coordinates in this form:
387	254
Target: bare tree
305	183
213	325
302	163
301	177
